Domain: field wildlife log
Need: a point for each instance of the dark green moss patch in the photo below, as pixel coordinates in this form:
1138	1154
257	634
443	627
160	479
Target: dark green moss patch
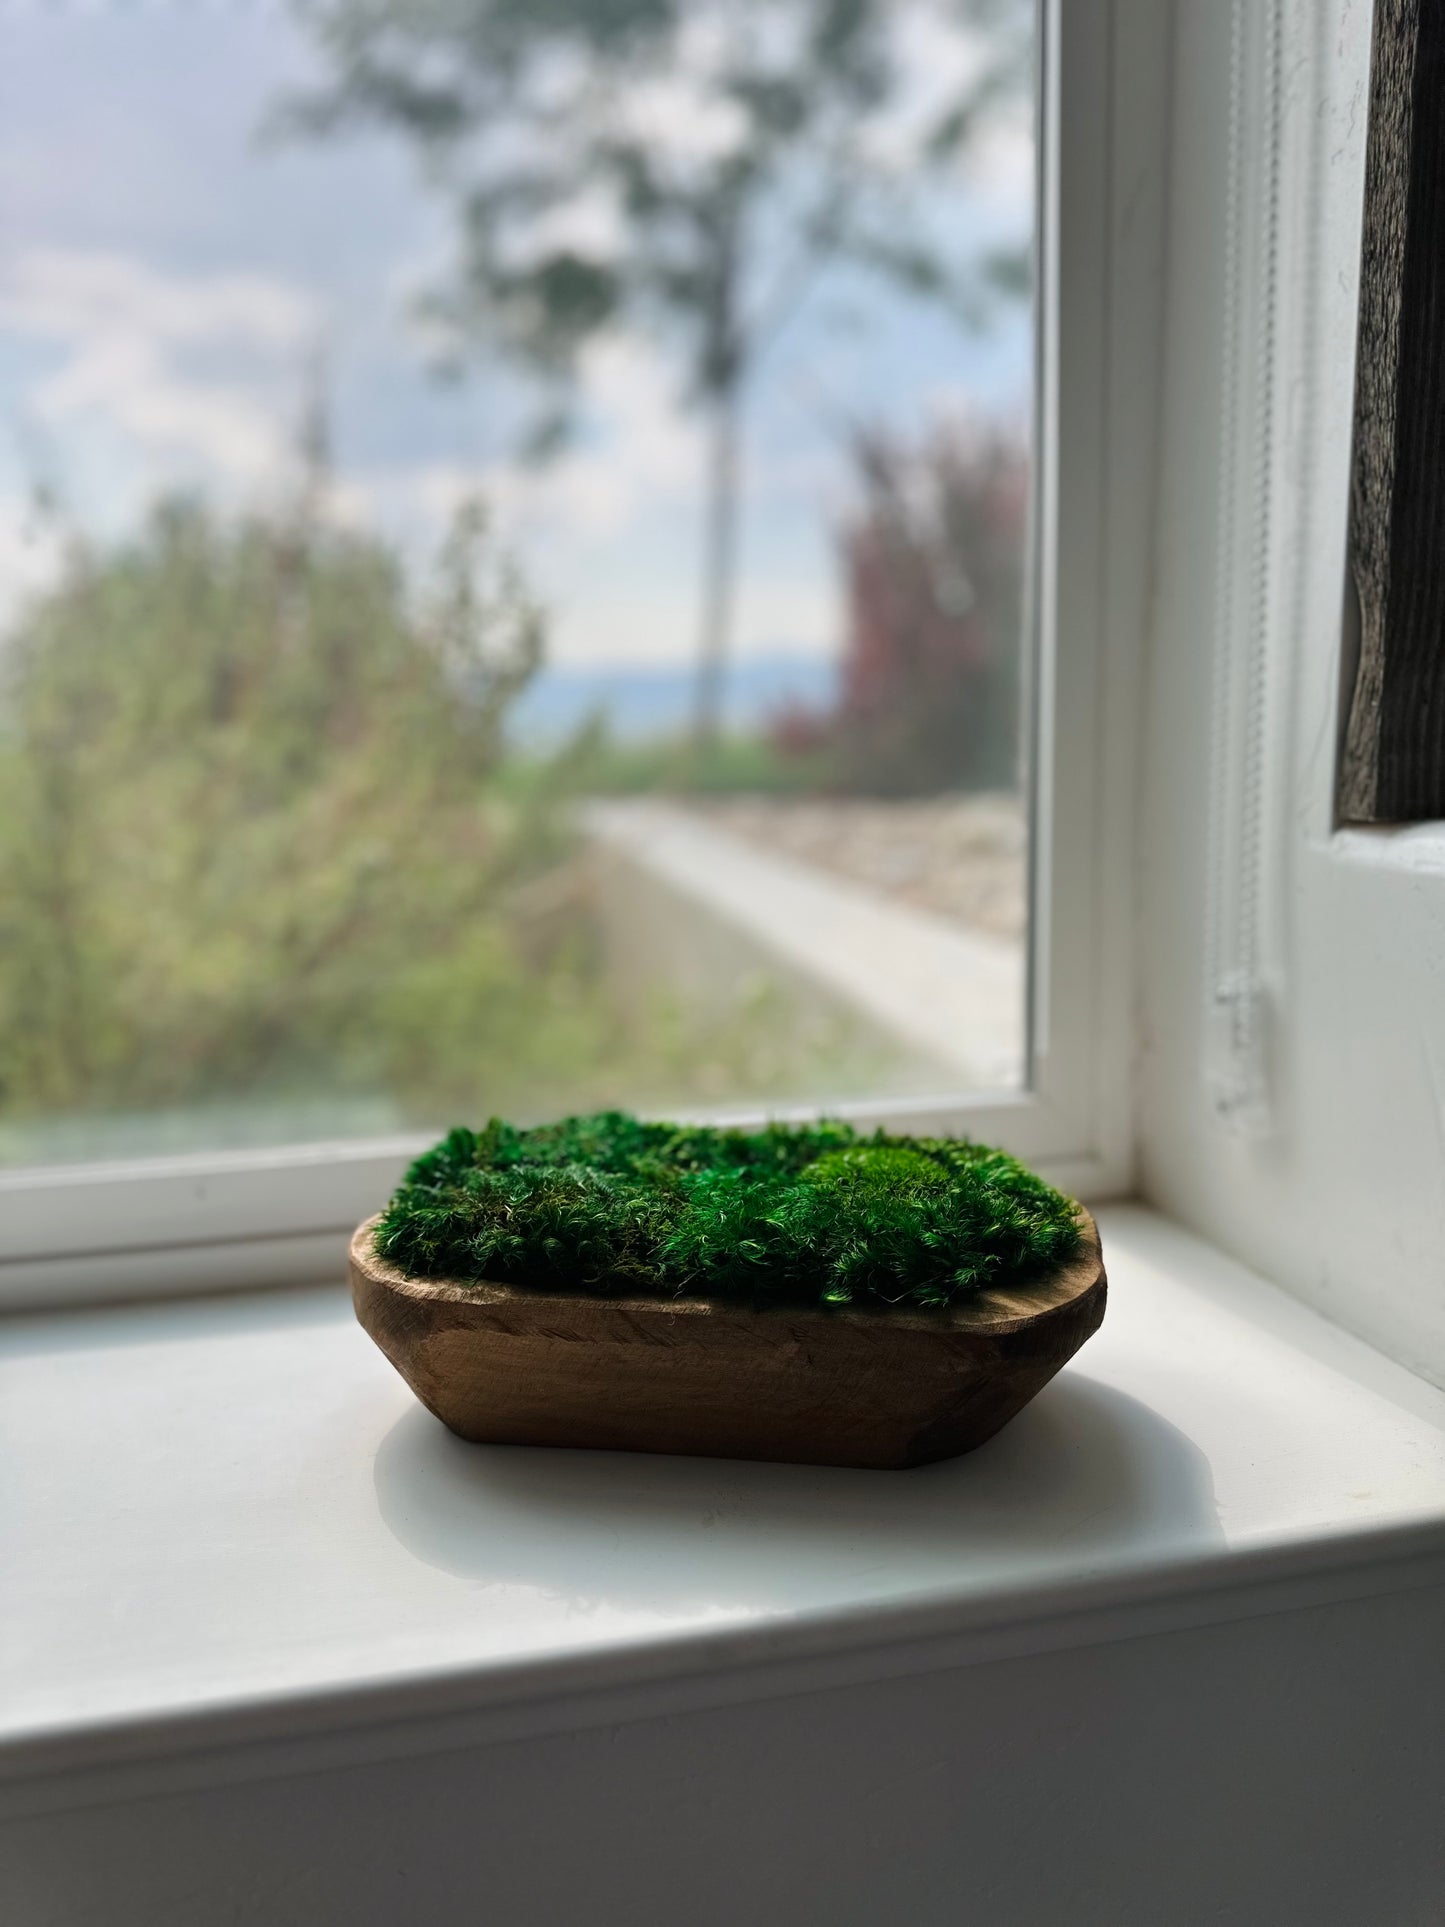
818	1215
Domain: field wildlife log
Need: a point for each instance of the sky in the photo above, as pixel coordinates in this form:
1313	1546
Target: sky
170	281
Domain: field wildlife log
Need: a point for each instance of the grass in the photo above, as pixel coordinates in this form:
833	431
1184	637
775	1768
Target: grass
615	1207
749	765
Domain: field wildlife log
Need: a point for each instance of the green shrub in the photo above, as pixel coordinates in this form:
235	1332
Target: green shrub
269	868
616	1207
252	833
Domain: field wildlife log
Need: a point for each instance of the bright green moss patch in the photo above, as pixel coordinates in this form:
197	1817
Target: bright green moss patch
618	1208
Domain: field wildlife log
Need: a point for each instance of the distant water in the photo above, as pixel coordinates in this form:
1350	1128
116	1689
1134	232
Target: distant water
642	703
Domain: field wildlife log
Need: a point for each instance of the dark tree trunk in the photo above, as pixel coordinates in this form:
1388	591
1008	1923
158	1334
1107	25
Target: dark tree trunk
719	567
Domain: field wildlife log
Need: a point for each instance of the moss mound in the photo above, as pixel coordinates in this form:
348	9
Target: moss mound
614	1207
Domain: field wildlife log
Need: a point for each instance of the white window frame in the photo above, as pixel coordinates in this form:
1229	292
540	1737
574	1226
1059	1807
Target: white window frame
1292	973
229	1219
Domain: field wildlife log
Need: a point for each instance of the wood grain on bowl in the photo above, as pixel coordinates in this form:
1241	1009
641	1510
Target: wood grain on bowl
879	1388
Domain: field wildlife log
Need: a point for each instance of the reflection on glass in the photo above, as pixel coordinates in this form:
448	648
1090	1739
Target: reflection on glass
512	541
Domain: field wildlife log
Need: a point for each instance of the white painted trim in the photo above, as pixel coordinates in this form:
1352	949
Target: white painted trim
91	1231
129	1205
1335	1185
455	1711
182	1226
1413	849
1232	1453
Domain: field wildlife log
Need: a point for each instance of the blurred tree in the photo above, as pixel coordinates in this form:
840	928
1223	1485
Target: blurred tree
933	563
692	168
264	848
251	828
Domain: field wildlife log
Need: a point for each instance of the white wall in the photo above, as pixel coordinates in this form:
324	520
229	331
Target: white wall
1279	1769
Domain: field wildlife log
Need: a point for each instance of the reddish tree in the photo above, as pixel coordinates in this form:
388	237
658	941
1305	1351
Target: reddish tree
933	561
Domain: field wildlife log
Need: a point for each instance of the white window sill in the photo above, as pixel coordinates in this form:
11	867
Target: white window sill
244	1546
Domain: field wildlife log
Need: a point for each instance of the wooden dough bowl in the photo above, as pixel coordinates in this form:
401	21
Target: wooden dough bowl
850	1387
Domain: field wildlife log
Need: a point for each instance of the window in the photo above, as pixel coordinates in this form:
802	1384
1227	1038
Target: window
387	743
1292	1047
1235	1006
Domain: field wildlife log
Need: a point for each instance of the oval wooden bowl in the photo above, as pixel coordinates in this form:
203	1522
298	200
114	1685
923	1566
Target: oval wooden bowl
856	1387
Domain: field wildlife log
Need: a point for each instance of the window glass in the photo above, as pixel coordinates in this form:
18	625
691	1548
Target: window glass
514	538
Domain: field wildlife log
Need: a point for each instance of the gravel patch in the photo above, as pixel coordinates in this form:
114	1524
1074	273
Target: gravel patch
963	857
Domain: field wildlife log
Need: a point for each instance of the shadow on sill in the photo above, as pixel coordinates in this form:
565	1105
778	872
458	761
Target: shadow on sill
1084	1473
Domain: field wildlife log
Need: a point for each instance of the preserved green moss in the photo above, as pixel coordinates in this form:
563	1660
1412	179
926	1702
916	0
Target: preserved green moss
618	1208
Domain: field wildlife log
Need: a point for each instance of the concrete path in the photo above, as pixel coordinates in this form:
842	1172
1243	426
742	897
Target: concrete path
945	992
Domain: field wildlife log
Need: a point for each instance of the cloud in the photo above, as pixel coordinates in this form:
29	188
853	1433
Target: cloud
197	376
629	594
636	446
77	294
939	59
609	531
636	455
655	625
127	382
189	370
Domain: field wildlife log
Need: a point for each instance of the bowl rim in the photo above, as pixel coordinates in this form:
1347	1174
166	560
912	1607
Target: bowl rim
994	1311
